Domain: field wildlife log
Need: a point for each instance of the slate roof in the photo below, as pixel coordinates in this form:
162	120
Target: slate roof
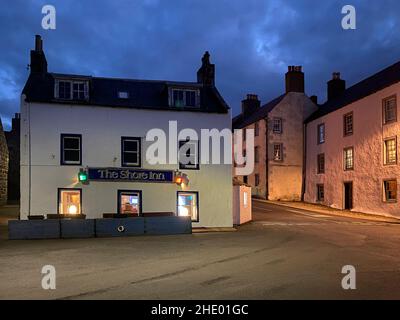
242	121
366	87
143	94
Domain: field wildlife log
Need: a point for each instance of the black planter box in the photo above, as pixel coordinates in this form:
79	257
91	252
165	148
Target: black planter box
168	225
119	227
33	229
77	228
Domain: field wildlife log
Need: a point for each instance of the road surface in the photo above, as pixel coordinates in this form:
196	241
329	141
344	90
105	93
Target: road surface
284	254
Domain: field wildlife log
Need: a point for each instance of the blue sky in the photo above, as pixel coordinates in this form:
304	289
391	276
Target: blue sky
251	42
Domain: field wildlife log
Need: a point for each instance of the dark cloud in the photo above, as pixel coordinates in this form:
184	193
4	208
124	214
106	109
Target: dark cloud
251	42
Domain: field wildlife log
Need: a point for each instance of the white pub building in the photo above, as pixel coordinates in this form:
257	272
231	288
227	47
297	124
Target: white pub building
83	146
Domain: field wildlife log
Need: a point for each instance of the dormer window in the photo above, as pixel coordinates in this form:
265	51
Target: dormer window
71	89
123	95
184	98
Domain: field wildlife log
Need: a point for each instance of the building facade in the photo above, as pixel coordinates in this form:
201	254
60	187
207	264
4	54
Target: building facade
13	143
73	125
279	140
4	158
352	146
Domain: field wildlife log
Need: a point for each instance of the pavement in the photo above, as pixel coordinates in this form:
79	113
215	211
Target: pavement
332	211
285	253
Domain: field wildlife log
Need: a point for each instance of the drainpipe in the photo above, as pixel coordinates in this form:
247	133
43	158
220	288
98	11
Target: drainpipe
266	160
303	185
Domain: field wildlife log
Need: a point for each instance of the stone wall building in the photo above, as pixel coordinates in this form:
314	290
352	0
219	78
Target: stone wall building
3	166
352	146
13	142
279	139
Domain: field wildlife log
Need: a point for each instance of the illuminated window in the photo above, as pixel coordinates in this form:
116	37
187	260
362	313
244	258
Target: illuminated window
389	110
277	125
71	149
129	202
348	158
390	187
278	152
321	133
245	199
348	124
188	205
189	155
70	201
131	152
321	163
390	151
320	192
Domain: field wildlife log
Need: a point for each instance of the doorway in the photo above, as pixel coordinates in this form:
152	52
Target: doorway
348	195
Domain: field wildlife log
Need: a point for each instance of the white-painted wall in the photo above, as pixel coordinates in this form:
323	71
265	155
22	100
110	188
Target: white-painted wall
101	129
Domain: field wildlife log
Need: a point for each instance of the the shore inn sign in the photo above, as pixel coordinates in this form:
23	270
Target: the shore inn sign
83	146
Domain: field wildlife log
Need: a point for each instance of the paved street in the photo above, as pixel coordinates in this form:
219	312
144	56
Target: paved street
284	254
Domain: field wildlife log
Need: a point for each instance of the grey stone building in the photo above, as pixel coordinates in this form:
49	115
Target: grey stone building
3	166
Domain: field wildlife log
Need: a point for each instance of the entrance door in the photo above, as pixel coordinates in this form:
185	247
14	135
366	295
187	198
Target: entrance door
348	195
129	202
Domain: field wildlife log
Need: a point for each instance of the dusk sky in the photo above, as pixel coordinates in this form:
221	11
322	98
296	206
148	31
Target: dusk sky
251	42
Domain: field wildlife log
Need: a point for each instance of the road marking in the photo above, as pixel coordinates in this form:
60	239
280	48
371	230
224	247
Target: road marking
263	209
309	214
288	224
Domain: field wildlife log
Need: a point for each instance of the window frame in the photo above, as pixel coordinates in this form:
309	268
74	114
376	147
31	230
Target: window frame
62	160
344	159
126	164
345	132
319	157
384	121
71	82
124	191
385	151
319	141
281	152
60	190
280	125
185	90
319	199
183	166
197	204
385	193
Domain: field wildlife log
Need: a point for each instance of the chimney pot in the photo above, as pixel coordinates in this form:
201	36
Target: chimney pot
38	43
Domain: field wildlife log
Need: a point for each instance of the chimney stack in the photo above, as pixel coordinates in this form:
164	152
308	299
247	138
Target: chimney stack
206	73
250	104
336	86
38	59
294	79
